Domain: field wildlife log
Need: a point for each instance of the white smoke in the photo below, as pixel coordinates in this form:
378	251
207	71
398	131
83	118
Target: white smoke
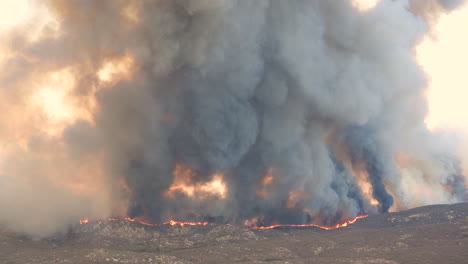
317	90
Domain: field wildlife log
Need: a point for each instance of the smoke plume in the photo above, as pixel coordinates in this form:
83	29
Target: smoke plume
266	111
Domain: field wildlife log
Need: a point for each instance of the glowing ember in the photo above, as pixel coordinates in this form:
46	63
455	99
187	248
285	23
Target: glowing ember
346	223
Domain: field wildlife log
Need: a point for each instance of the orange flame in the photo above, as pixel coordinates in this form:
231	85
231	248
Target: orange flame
346	223
170	222
173	222
184	183
182	223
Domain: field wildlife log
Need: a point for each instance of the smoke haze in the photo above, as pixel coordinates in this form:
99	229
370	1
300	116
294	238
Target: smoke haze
262	112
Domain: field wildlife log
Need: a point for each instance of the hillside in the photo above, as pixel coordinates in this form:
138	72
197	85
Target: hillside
430	234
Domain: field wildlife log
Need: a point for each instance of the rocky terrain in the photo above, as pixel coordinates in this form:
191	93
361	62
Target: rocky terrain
431	234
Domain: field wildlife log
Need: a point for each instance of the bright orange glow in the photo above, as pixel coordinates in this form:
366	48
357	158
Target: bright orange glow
266	182
26	16
170	222
182	177
181	223
362	180
268	178
345	223
52	108
116	69
52	99
215	186
183	183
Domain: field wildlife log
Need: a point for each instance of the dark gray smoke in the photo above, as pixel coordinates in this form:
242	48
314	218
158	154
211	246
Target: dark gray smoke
325	98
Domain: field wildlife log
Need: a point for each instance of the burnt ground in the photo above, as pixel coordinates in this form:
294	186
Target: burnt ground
430	234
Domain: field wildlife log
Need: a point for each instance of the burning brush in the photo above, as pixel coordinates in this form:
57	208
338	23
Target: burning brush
304	113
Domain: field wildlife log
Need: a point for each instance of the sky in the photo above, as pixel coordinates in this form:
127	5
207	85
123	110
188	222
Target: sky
445	59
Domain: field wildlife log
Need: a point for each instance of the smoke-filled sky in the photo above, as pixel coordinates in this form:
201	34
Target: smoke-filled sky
248	112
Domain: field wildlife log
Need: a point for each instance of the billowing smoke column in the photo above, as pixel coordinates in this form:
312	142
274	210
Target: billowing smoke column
257	112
